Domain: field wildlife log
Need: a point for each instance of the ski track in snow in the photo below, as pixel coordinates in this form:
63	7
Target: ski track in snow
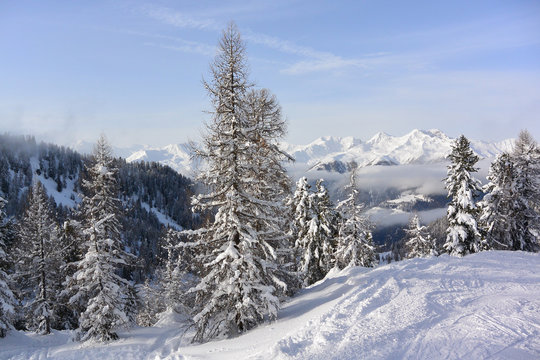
473	315
482	306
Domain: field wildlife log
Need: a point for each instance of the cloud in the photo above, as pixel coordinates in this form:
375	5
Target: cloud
180	19
285	46
426	47
303	67
179	44
188	47
315	60
504	31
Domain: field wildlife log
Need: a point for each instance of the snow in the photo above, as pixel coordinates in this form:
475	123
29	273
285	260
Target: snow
410	198
416	147
176	156
162	218
485	305
67	197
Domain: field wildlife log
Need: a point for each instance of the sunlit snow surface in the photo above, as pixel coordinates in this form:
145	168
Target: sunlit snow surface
481	306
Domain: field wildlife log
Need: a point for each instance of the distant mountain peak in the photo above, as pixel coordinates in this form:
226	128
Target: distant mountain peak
379	137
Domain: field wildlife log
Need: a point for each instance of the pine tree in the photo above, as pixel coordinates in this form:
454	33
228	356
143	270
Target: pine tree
70	253
97	286
39	262
498	221
300	210
462	235
526	184
313	221
238	287
327	216
270	183
355	243
419	242
7	299
172	275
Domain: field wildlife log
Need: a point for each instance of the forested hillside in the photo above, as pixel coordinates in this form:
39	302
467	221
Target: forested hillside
153	196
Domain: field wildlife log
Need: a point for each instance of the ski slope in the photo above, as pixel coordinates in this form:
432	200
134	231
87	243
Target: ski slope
482	306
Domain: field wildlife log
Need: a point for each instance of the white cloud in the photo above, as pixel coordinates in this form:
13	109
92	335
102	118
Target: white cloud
180	19
175	43
315	60
188	47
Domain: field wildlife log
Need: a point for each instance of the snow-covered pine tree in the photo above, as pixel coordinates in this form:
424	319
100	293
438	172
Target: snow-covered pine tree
419	242
171	276
39	264
326	213
265	127
170	293
314	223
70	252
355	243
7	299
97	286
526	184
497	220
238	284
300	210
462	236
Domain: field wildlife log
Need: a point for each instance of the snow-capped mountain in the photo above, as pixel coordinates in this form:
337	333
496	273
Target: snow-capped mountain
339	153
176	156
416	147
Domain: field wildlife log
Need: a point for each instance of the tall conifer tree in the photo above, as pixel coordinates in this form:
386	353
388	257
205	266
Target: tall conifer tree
498	222
97	285
39	264
526	184
239	281
462	236
355	243
419	242
313	221
7	299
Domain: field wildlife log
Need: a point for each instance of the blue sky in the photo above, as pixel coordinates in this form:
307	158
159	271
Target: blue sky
133	69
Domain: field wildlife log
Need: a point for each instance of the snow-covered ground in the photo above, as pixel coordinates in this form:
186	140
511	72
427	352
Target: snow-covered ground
482	306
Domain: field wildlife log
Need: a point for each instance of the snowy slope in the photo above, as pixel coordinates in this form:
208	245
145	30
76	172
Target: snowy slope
67	197
481	306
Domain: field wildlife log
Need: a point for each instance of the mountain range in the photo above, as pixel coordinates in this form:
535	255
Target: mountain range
397	175
339	153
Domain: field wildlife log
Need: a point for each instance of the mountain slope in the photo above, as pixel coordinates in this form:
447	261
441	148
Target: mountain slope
153	195
485	305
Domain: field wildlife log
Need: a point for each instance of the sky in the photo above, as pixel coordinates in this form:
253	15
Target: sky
70	70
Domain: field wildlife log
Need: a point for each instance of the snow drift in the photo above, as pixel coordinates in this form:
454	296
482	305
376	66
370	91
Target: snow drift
485	305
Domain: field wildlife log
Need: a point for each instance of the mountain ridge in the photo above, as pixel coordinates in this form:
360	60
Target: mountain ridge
340	154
